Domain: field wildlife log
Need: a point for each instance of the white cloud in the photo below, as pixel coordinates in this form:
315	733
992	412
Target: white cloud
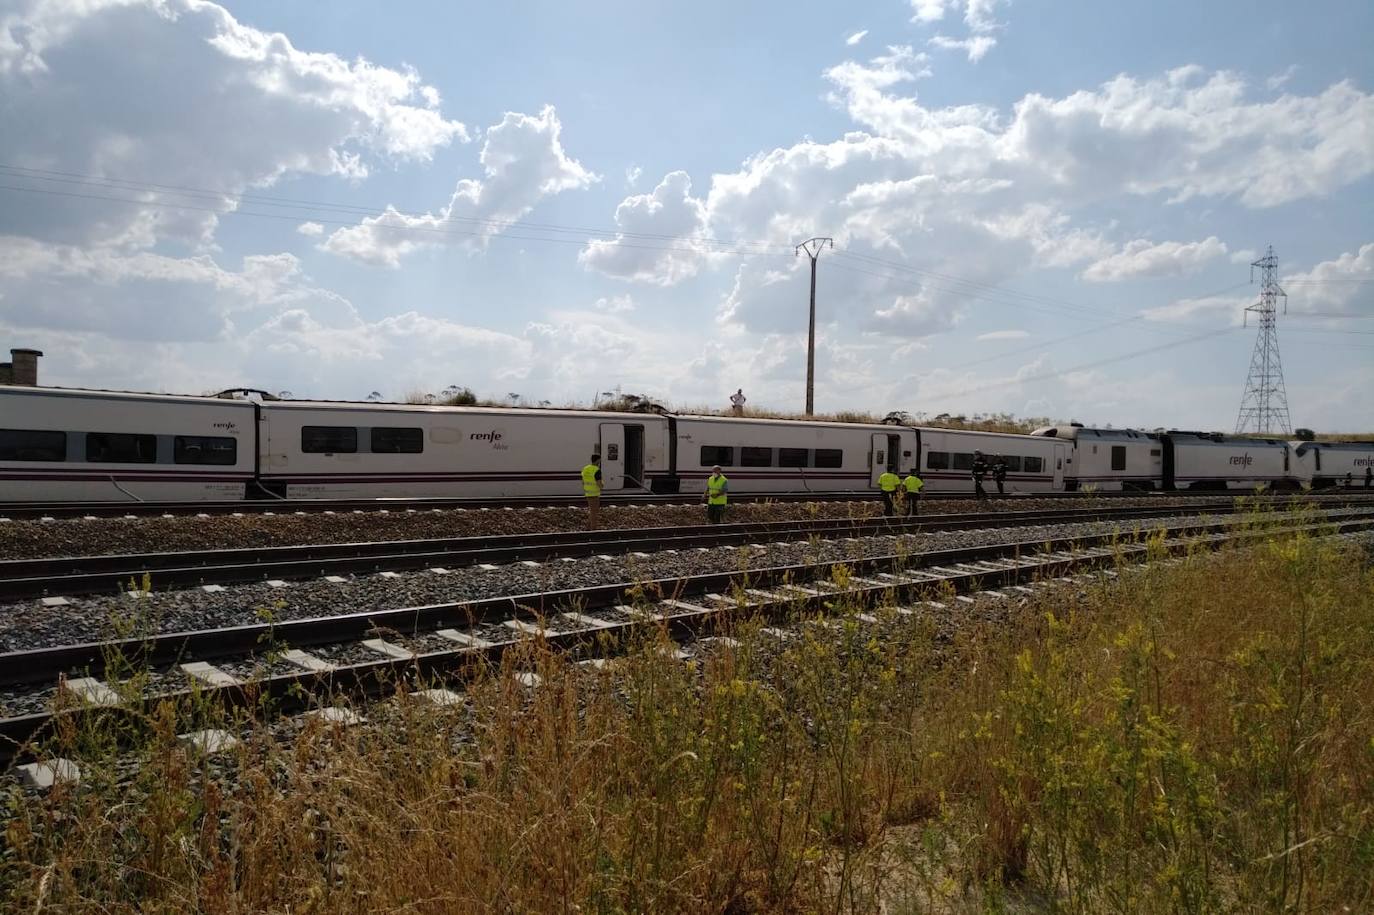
523	162
1280	79
1227	306
1004	335
1183	135
615	304
143	296
1340	286
204	101
658	238
632	174
1140	258
310	229
980	15
1331	288
857	37
1244	256
975	46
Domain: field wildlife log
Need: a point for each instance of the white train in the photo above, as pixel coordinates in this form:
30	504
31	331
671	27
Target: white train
1326	464
73	445
1116	459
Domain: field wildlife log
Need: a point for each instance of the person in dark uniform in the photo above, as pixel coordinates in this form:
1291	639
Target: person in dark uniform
979	470
1368	477
999	474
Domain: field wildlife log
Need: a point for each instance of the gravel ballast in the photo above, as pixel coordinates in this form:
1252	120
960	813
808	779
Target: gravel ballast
984	606
103	536
29	624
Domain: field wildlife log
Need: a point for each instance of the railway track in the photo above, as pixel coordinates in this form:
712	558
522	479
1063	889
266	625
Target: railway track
403	640
17	511
70	576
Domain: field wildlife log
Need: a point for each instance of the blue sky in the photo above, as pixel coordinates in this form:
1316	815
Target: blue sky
559	199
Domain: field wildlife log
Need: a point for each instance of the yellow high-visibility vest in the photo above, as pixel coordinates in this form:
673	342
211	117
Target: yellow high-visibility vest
888	482
913	483
715	489
590	485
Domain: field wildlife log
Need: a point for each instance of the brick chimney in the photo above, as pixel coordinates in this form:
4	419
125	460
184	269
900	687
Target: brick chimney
22	367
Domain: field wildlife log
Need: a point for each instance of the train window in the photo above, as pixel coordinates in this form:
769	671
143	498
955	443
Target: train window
937	460
204	449
32	445
1013	462
329	440
1155	452
963	461
1033	464
396	440
794	457
829	457
756	457
120	448
711	455
1118	457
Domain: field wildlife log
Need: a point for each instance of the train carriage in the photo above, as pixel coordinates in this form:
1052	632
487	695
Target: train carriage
773	455
345	450
1034	464
85	446
1325	464
1110	459
1211	460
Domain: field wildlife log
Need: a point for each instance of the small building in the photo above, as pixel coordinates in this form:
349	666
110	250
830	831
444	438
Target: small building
22	367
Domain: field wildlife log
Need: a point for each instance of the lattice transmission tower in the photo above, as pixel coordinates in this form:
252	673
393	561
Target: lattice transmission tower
1264	405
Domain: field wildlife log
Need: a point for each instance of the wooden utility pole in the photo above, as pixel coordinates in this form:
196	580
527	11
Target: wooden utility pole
812	247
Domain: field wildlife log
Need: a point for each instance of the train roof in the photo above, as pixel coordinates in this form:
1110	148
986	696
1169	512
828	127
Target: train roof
1220	438
140	396
1302	447
473	410
1074	432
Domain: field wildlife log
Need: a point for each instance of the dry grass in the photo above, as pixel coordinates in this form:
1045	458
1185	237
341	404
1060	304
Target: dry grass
1198	739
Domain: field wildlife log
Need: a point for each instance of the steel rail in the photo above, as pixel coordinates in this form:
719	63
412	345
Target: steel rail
74	575
292	692
38	665
38	510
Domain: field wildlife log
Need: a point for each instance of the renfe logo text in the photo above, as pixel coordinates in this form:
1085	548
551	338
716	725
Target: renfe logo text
492	436
1242	460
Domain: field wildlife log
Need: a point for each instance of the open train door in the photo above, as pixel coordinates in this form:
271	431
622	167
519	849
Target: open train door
612	456
879	458
1061	454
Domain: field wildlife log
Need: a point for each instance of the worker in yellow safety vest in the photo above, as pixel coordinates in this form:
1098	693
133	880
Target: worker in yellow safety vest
716	495
591	488
888	484
913	485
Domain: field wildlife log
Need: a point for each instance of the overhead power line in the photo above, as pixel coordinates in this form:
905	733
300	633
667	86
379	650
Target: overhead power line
427	230
320	211
1098	363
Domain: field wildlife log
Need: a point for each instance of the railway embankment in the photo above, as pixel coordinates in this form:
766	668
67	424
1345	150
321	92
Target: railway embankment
23	539
1192	731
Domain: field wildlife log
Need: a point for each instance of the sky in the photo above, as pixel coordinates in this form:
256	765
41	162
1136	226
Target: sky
1042	208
